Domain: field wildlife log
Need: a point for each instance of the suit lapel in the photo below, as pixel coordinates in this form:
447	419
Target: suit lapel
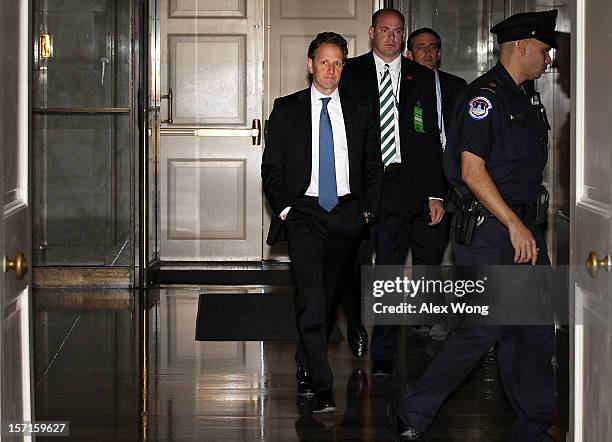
347	113
446	109
349	116
369	75
304	119
406	80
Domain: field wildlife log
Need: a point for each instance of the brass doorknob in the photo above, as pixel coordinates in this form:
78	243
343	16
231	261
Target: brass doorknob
20	265
593	264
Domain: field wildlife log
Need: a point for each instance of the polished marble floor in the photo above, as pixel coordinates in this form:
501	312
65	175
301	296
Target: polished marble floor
121	365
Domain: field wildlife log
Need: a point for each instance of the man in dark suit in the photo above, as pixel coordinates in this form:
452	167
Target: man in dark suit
322	173
404	92
425	47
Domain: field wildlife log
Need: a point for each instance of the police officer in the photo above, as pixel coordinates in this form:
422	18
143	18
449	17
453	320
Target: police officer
496	154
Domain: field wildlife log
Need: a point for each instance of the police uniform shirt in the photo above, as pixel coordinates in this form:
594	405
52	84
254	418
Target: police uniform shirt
499	124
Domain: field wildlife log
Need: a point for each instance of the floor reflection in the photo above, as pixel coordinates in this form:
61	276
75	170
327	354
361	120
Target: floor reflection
121	365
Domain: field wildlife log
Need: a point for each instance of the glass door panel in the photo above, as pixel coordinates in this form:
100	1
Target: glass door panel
83	133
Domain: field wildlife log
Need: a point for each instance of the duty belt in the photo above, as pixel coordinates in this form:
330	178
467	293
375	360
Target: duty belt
526	212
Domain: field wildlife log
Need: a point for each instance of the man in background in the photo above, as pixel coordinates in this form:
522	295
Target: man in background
425	47
413	185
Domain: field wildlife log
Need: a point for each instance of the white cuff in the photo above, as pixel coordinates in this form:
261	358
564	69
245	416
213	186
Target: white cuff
284	213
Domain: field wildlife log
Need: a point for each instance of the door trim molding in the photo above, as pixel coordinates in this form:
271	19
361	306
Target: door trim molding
80	110
576	294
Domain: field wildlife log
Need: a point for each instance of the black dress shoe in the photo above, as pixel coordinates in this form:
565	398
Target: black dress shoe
357	338
304	382
382	367
324	401
401	432
357	384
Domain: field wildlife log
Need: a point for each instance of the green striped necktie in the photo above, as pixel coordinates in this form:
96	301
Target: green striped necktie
387	118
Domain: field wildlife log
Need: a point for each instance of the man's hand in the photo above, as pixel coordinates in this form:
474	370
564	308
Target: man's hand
524	243
436	211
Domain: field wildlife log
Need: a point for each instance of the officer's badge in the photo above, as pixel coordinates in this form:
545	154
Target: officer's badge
479	107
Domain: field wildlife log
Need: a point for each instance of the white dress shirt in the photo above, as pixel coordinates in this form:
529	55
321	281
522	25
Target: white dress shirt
341	161
395	70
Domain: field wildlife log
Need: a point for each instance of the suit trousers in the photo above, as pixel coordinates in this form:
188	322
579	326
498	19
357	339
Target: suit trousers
391	238
394	236
429	242
321	246
524	352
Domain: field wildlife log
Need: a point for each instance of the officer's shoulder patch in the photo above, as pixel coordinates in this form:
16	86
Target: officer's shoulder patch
479	108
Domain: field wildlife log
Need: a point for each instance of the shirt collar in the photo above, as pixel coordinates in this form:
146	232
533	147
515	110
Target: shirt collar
507	78
394	66
316	95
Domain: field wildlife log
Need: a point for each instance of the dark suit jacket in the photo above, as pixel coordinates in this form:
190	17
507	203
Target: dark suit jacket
287	159
450	86
421	172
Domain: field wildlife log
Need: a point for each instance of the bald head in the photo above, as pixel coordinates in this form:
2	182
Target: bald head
525	59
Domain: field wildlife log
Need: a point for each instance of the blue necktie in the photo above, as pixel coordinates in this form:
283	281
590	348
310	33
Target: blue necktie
328	195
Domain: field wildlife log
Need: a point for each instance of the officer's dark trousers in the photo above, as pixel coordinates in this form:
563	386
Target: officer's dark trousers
524	352
321	246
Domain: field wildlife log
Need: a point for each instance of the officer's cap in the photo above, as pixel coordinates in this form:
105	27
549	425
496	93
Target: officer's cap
538	25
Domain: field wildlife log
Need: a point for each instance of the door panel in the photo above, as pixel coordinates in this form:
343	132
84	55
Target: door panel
291	26
199	211
208	76
591	222
15	227
207	8
211	56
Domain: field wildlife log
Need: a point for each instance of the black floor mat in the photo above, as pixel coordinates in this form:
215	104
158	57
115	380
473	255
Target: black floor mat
248	317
